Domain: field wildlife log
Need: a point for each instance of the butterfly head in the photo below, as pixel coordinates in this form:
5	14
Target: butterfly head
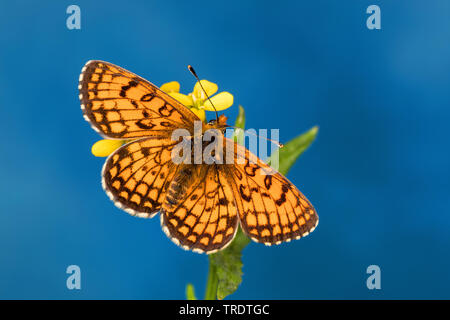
220	123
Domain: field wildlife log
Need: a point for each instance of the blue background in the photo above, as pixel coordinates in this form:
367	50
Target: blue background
378	173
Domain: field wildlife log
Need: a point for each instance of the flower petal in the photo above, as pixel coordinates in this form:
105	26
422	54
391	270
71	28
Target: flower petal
200	113
209	87
172	86
184	99
105	147
221	101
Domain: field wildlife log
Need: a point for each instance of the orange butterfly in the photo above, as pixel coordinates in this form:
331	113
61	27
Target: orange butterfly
200	205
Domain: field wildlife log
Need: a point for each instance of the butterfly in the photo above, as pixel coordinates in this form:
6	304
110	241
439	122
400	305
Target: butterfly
200	205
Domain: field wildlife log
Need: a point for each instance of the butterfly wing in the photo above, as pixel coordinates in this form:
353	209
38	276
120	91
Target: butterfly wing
271	209
137	175
121	105
199	213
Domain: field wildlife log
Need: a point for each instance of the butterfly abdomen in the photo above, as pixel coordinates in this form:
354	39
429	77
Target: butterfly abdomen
177	187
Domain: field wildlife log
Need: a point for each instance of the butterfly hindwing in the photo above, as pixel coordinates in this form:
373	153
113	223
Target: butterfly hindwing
137	174
122	105
271	209
199	211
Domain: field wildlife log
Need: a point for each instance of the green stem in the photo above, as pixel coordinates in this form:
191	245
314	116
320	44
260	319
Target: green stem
211	285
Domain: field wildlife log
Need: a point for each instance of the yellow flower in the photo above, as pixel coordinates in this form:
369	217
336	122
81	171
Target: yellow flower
173	86
105	147
197	101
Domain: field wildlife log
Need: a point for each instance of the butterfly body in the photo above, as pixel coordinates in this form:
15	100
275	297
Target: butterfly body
201	205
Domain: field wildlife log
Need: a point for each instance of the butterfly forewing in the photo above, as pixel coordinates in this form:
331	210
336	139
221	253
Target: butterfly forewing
122	105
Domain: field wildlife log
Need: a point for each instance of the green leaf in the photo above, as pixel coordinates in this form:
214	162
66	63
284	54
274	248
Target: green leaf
238	134
227	265
190	292
292	150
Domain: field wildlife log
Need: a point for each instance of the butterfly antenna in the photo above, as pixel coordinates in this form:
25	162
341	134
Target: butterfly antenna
191	69
279	144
